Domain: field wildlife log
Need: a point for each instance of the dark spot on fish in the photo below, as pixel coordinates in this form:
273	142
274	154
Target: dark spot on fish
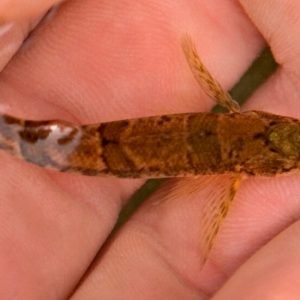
32	136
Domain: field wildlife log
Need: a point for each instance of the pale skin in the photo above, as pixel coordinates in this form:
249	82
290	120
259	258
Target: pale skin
108	60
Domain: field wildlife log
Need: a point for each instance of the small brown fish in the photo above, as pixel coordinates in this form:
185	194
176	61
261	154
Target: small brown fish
255	143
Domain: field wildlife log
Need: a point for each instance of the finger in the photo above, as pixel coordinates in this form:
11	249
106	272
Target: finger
272	272
274	25
278	22
160	244
16	10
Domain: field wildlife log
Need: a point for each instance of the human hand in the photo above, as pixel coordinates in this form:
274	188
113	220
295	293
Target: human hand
95	61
